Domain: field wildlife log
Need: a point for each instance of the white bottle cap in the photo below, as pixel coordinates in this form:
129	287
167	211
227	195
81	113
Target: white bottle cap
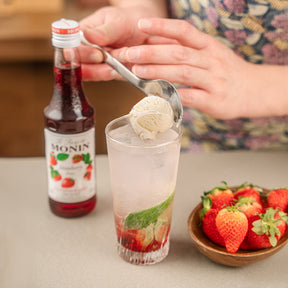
65	33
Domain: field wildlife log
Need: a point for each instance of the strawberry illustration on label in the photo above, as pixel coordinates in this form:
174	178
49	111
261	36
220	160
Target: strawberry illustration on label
68	183
87	175
89	167
55	174
87	160
53	160
57	177
77	158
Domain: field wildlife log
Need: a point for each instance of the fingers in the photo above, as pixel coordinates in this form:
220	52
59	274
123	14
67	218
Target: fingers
95	29
93	20
182	74
202	100
153	40
193	98
163	54
211	104
179	30
99	72
102	35
90	55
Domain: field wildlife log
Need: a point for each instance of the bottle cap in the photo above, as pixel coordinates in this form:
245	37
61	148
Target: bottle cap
65	33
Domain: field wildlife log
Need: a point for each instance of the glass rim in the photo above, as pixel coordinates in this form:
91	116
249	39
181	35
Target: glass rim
179	132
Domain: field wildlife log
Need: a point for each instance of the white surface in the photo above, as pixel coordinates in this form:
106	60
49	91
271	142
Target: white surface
38	249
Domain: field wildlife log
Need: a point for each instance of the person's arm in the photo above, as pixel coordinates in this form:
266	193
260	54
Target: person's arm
219	82
267	94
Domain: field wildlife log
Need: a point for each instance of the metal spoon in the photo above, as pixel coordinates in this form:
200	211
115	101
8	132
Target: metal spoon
150	87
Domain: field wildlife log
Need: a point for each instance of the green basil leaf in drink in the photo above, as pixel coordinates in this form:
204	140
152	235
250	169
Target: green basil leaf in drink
62	156
142	219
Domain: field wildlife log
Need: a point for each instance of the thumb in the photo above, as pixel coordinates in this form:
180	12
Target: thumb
195	98
103	35
201	100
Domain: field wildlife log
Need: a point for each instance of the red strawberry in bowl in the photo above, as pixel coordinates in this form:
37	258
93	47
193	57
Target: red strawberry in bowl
210	229
265	230
249	206
249	190
232	225
221	196
208	222
278	199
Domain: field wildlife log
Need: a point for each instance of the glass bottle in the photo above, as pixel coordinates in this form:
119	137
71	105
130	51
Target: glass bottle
69	130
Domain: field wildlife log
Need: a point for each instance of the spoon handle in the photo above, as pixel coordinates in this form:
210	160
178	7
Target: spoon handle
123	70
117	65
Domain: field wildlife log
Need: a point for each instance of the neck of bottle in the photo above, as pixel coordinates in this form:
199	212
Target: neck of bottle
67	68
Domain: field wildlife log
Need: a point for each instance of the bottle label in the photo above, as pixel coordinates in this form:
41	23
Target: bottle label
71	165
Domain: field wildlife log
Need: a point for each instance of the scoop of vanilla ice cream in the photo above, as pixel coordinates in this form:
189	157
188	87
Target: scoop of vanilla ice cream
150	116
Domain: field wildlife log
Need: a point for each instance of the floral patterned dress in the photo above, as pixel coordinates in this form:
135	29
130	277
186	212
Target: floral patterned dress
256	30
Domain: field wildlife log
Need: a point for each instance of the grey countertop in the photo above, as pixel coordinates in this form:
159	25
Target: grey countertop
38	249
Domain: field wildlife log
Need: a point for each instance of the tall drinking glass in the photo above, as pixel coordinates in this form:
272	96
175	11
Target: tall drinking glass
143	177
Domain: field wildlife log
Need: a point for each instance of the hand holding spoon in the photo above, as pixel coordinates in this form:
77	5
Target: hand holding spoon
157	87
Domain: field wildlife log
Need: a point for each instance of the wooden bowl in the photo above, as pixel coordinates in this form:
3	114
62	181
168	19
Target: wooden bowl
219	254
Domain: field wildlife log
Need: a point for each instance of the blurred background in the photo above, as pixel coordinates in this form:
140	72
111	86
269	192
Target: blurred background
26	75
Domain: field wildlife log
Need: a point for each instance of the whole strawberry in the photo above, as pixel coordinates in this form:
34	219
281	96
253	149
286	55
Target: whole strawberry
265	230
220	196
209	227
232	225
208	217
278	199
249	190
249	206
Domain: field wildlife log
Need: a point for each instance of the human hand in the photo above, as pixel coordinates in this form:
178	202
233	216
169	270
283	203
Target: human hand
109	27
220	82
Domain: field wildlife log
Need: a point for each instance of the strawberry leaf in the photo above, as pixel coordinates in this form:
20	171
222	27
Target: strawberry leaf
267	224
242	201
257	230
86	158
283	216
207	204
245	185
221	188
273	240
54	173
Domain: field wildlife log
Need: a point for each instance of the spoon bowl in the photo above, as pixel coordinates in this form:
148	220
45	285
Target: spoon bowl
157	87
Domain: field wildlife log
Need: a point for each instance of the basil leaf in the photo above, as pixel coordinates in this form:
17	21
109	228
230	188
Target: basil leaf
142	219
